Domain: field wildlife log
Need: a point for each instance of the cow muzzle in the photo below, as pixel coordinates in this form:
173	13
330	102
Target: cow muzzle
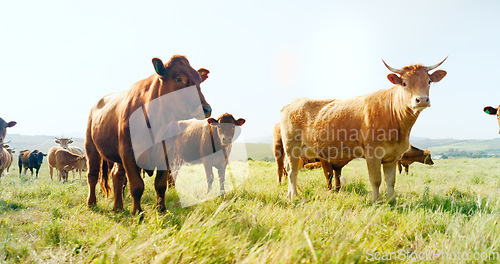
226	141
421	102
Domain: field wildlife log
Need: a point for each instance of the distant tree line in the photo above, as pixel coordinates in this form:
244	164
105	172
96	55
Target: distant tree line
456	153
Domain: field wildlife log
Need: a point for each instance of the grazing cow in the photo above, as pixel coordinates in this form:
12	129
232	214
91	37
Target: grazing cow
375	127
199	142
414	155
312	165
30	160
108	136
64	143
493	111
5	158
64	161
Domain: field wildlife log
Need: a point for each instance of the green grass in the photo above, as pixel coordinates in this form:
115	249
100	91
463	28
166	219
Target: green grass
452	206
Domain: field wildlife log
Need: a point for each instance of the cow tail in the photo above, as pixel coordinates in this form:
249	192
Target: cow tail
104	179
279	155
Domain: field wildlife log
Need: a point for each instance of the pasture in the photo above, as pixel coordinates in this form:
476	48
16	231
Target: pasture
450	208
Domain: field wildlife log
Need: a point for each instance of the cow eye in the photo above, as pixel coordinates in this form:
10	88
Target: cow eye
178	79
404	84
430	81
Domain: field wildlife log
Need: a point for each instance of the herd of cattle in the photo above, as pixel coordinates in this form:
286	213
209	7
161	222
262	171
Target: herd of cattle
375	127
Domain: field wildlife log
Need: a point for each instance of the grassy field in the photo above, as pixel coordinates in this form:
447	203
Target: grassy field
448	211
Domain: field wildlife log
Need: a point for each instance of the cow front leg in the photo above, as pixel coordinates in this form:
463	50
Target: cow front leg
135	181
374	173
222	178
210	176
162	176
390	180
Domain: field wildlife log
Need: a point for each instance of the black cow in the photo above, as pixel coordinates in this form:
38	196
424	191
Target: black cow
30	160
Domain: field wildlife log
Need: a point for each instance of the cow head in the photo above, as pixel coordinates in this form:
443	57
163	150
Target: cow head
81	163
493	111
427	157
64	142
3	128
39	156
225	126
178	74
415	82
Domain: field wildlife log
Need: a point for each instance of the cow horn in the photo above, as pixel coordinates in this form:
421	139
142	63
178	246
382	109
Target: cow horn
436	65
392	69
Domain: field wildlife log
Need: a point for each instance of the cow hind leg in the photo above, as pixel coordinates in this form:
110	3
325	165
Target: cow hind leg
328	171
293	165
338	185
94	167
51	171
119	179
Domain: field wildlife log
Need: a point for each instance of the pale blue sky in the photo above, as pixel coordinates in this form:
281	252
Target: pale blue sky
57	58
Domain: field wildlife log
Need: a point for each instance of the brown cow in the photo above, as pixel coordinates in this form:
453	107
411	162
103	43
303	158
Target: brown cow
201	140
414	155
108	135
64	143
375	127
64	161
5	158
493	111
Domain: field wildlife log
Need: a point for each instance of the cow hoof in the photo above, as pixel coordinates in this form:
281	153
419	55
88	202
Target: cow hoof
161	208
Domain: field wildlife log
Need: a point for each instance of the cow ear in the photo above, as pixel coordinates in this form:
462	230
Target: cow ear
393	78
11	123
43	154
212	121
203	73
490	110
159	67
240	122
57	141
438	75
70	141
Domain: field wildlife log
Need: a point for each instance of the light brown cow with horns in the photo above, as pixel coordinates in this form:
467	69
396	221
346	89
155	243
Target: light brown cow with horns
375	126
